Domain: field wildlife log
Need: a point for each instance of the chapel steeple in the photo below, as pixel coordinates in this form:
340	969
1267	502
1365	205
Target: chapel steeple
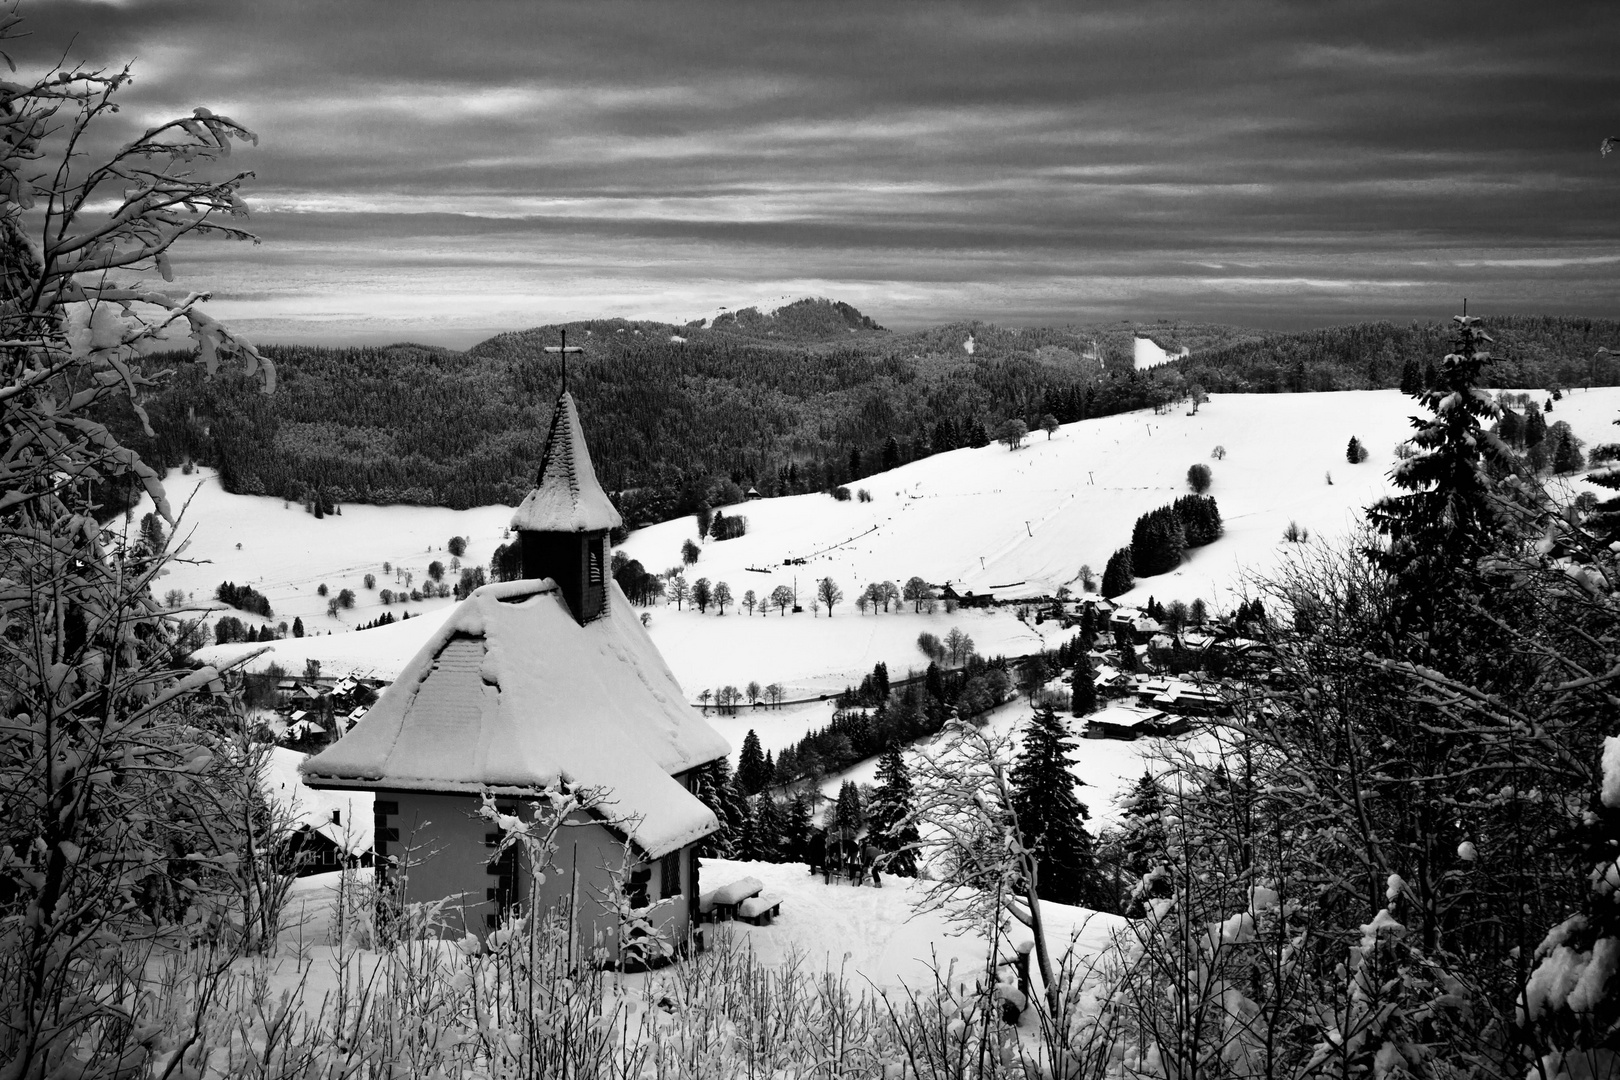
564	522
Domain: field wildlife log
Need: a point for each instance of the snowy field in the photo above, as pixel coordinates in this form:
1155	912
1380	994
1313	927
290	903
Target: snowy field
1026	519
885	935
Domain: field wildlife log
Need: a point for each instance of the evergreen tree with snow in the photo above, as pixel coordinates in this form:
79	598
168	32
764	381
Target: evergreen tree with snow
1435	533
769	825
848	814
1143	845
1119	576
1083	700
885	816
751	764
746	845
796	826
714	788
1050	817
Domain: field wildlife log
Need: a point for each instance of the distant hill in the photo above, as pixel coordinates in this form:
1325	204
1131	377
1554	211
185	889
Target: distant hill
809	319
810	395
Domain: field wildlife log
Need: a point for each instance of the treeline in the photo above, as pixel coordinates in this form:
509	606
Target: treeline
675	419
679	417
1533	351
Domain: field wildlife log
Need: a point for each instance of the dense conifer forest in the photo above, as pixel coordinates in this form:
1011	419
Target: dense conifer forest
815	396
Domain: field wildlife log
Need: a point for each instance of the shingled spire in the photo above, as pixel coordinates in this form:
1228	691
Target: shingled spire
563	523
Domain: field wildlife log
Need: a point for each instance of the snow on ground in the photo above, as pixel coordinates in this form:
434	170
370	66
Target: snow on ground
1024	521
882	934
1145	353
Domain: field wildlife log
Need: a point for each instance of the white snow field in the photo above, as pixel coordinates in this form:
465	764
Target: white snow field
885	935
1019	522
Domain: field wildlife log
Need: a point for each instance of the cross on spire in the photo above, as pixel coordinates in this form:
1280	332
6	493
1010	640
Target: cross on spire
564	349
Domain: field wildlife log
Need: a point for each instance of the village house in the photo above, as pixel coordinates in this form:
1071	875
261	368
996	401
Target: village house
545	681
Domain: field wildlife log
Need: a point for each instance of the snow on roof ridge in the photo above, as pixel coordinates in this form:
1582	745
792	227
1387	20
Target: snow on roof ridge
567	496
542	701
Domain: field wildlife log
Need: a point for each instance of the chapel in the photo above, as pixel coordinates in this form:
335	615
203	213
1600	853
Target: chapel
544	681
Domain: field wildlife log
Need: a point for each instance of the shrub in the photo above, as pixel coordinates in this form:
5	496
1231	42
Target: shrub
863	495
1295	533
371	581
1198	477
457	546
1219	453
840	493
728	528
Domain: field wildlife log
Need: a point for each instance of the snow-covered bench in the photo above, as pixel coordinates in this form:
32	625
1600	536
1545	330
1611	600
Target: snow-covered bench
719	905
760	910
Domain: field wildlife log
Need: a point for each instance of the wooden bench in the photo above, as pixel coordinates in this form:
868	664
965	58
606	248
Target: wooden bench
760	910
720	905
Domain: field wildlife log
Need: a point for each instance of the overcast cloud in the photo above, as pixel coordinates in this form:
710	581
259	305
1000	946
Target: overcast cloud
441	171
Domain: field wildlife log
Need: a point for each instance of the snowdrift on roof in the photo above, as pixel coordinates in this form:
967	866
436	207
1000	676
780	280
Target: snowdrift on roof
511	694
567	497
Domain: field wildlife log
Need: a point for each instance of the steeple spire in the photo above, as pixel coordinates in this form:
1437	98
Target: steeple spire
563	524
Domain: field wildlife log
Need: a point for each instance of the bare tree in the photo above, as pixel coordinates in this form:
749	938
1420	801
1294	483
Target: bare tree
985	877
828	592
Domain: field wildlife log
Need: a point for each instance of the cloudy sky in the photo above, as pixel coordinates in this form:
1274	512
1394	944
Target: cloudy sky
440	171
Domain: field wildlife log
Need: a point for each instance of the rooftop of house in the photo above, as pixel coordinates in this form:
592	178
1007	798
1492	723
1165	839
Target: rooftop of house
567	496
512	695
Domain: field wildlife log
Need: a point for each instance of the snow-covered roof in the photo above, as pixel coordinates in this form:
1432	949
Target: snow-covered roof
567	497
512	694
285	787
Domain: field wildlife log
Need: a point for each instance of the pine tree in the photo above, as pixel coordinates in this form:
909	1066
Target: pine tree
796	826
1355	453
769	824
1411	378
847	815
1050	817
891	802
298	627
1566	452
1535	428
1119	576
1084	698
714	788
751	764
1143	845
746	845
1438	530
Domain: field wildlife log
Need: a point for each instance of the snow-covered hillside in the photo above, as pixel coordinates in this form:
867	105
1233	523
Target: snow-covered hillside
1015	522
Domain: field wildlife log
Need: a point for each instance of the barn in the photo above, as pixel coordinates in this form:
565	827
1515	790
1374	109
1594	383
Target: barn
530	684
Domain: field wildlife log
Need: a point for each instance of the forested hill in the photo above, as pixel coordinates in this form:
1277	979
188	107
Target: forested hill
812	396
1530	351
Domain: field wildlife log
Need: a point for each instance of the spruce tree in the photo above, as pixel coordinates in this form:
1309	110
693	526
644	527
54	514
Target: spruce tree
714	788
769	825
1084	698
1411	378
891	802
747	841
298	627
1535	428
796	826
1050	817
1119	576
1143	844
847	815
1436	533
751	764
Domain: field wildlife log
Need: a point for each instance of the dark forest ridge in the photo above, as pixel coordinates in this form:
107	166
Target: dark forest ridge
813	395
